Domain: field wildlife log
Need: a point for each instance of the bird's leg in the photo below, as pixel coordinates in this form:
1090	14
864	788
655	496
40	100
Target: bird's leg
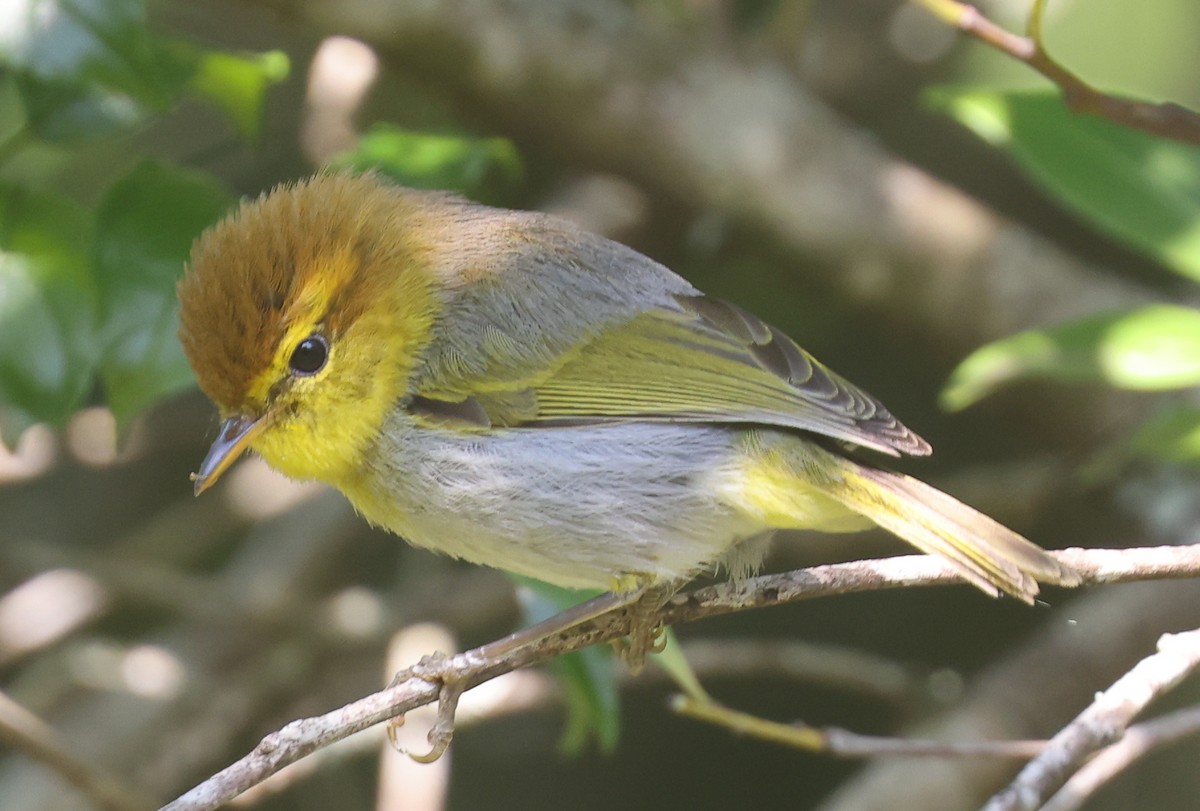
435	669
644	637
563	621
643	601
645	629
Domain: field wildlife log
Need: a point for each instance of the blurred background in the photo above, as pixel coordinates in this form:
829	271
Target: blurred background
1017	284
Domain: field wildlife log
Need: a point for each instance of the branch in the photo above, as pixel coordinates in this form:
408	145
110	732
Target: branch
1139	740
301	737
1023	694
816	663
1166	120
1095	566
841	742
1135	742
1102	723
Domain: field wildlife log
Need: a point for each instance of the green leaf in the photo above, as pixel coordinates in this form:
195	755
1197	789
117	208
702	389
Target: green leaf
238	84
47	310
144	230
589	679
1171	436
61	112
484	169
1154	348
587	676
87	68
1142	190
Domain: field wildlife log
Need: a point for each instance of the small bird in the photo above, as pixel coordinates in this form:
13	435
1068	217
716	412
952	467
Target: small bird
503	387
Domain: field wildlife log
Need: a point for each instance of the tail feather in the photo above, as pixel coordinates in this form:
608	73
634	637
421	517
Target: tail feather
987	553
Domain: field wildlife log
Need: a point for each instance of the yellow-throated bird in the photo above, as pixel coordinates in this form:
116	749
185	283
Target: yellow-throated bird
503	387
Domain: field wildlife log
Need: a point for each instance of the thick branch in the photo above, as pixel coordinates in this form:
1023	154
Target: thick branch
304	736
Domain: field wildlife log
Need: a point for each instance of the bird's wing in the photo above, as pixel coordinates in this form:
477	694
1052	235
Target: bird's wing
703	360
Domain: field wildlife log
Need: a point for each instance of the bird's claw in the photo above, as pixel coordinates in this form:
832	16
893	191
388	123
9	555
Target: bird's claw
644	638
434	669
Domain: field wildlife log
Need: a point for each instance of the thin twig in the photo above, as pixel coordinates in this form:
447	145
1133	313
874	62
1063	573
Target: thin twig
1167	120
1139	740
842	668
304	736
841	742
1102	723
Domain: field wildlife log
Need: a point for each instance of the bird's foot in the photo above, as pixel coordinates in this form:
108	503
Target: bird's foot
436	669
645	634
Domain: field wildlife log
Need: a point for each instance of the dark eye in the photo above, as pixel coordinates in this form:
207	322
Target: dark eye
310	355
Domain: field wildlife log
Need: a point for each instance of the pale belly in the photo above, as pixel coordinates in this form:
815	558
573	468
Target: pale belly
581	507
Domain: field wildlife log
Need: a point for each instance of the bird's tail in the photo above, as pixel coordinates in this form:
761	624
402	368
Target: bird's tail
985	552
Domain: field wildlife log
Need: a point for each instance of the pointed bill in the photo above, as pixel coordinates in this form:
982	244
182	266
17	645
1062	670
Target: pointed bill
235	437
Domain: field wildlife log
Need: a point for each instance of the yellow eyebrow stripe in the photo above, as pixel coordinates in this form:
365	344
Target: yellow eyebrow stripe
319	284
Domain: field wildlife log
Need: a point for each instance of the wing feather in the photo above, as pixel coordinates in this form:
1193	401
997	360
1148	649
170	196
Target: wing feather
702	361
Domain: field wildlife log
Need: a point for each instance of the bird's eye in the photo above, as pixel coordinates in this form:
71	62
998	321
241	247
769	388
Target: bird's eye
310	355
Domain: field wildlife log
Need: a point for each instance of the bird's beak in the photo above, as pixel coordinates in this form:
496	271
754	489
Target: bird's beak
236	435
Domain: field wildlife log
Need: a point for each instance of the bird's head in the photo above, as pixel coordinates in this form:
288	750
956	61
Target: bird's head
304	315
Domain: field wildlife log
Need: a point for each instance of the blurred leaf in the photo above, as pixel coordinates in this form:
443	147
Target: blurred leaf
592	703
1156	347
86	68
47	310
70	112
485	169
1172	436
238	84
587	676
1143	190
144	229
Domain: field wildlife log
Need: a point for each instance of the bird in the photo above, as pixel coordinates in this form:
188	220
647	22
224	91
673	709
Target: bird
506	388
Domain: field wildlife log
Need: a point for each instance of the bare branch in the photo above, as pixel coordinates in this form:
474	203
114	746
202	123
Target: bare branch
1096	566
1166	120
1139	740
1136	741
469	669
836	666
1102	723
843	743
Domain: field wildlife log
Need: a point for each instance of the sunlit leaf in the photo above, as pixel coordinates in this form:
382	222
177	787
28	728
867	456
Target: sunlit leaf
48	349
485	169
1154	348
238	84
1140	189
145	227
587	676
